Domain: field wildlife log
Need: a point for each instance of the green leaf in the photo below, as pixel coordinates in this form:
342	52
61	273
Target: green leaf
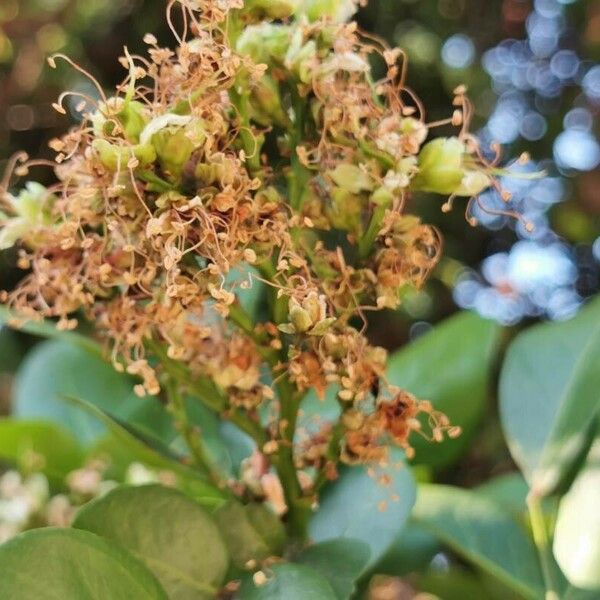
10	350
123	447
66	564
239	444
450	366
577	533
39	445
226	445
55	369
412	550
175	537
289	581
549	395
457	584
573	593
252	298
509	490
369	509
340	561
315	411
47	329
482	532
250	532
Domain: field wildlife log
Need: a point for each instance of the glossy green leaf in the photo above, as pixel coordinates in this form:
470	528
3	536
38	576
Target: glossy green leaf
482	532
252	297
577	533
226	445
362	507
315	411
509	490
341	562
48	329
289	582
573	593
450	366
457	584
251	532
67	564
175	537
549	395
238	444
123	447
412	550
39	445
10	350
56	369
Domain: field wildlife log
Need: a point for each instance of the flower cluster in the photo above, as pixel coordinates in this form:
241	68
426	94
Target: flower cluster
262	145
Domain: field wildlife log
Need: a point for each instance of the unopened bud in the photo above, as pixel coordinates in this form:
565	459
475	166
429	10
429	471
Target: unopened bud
440	165
115	157
173	150
473	183
338	11
273	9
266	103
299	318
352	178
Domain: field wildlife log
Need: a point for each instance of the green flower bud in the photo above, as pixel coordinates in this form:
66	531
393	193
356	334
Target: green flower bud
265	103
300	57
300	318
405	224
170	197
273	9
337	10
115	157
443	170
334	345
220	171
265	43
382	196
12	231
173	150
31	210
352	178
34	203
322	327
309	317
267	195
131	115
133	119
315	306
344	211
412	126
473	183
440	166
